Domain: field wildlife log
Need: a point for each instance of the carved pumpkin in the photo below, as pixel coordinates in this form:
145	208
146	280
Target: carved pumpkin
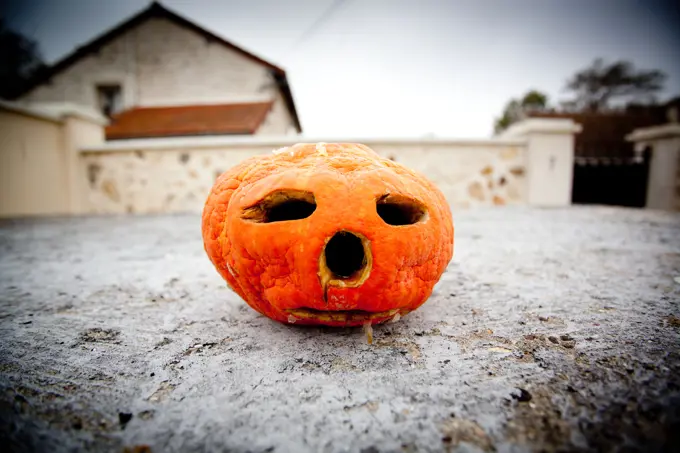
328	234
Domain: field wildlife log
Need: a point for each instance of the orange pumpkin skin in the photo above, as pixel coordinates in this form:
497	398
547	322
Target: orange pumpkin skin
289	270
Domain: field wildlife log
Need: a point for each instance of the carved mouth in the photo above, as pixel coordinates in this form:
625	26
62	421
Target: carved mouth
343	316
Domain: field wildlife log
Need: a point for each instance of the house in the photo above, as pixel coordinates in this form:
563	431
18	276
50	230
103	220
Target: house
160	75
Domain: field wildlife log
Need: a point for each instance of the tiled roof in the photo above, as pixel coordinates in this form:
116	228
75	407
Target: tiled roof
176	121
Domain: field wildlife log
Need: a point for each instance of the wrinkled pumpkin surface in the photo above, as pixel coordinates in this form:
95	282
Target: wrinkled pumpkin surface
328	234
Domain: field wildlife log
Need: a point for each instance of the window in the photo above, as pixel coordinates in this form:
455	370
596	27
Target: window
109	99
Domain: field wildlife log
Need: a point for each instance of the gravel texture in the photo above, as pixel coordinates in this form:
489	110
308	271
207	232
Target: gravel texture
552	330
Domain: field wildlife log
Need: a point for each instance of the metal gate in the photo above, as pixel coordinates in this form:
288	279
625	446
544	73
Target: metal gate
608	169
620	181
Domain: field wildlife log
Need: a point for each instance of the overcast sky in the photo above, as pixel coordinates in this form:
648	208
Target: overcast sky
395	67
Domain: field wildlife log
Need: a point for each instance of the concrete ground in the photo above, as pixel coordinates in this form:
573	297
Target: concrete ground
552	330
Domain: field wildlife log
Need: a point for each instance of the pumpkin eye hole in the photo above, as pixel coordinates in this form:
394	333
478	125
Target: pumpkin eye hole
280	206
400	210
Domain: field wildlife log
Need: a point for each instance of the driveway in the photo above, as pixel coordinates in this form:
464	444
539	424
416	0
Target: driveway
552	329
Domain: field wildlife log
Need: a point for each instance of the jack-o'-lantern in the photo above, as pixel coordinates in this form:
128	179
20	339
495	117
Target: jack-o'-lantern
328	234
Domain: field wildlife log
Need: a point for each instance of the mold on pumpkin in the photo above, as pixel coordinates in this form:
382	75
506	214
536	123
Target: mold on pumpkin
328	234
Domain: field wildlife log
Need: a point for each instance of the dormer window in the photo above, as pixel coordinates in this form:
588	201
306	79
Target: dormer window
109	99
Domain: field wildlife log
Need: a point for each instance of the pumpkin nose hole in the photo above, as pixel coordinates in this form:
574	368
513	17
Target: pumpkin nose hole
345	255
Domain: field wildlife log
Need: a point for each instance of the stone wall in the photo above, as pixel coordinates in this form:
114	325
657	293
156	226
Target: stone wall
176	176
162	63
55	161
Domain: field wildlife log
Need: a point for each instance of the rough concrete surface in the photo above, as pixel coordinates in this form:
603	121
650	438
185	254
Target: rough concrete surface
552	330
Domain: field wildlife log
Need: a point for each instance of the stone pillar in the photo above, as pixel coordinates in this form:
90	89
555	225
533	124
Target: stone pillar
79	131
549	158
663	186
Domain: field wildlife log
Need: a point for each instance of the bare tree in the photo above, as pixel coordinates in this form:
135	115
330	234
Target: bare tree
19	62
595	87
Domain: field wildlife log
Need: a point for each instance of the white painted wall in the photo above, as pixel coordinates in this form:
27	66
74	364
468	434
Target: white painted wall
32	166
39	159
